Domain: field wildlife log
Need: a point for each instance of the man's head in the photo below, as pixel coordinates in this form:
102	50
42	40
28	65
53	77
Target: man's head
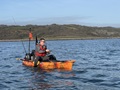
42	41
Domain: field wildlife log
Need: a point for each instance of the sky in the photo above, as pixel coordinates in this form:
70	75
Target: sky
46	12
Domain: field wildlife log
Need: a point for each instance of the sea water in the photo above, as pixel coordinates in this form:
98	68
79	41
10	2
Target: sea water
97	66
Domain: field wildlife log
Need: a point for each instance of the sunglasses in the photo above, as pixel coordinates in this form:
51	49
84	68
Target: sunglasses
42	41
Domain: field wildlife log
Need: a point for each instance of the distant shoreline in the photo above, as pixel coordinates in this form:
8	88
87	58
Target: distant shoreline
57	32
86	38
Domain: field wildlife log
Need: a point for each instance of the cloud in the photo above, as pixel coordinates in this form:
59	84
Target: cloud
57	20
85	20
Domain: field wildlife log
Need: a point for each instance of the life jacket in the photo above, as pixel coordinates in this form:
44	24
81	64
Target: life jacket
41	48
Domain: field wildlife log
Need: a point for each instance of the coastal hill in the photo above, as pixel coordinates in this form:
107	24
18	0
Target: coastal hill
55	31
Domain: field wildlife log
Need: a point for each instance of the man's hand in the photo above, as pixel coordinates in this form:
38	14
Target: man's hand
48	51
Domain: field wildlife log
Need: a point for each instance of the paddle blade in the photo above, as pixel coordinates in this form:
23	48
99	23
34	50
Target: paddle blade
19	59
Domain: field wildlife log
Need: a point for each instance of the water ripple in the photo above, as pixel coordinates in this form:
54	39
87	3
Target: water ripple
96	67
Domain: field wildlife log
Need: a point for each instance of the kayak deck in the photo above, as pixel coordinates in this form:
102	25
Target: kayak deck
66	65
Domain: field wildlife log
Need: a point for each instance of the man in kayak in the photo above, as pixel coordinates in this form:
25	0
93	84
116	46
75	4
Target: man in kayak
41	52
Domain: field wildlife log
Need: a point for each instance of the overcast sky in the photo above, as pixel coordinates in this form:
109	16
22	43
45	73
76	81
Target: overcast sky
43	12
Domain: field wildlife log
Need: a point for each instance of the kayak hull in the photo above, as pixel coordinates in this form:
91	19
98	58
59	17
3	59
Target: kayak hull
66	65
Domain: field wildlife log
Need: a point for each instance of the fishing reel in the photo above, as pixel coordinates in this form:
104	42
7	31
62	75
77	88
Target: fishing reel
28	56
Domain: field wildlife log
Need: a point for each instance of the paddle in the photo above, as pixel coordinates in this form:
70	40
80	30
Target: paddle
19	59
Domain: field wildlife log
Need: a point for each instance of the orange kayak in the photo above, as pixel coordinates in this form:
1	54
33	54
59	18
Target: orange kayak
66	65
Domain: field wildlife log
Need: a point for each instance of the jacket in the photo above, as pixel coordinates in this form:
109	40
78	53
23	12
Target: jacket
40	50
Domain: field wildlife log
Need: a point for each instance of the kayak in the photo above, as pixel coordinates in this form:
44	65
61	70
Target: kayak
66	65
51	63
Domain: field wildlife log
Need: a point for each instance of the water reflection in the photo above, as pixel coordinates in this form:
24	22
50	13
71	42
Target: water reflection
49	79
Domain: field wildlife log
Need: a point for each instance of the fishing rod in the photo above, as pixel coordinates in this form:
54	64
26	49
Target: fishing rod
20	37
36	41
23	46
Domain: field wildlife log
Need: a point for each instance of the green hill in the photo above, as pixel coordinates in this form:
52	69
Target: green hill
55	31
